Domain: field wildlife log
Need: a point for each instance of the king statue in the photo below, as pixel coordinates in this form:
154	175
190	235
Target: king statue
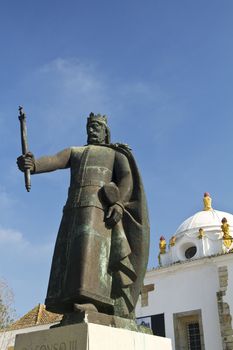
101	252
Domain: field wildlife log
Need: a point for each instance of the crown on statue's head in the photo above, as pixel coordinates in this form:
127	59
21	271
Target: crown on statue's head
102	119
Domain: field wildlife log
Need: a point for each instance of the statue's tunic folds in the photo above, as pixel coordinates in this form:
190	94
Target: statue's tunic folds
93	263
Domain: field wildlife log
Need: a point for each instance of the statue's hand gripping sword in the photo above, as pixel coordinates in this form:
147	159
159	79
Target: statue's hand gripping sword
23	132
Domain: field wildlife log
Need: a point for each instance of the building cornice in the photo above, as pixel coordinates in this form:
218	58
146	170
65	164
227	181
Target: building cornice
219	258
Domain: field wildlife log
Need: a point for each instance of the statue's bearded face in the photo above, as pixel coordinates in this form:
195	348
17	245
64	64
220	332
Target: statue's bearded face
96	133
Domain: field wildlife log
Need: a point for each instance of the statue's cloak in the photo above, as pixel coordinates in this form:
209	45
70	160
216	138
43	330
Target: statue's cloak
135	222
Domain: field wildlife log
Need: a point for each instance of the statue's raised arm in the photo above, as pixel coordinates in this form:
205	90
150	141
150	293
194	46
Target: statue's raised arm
44	164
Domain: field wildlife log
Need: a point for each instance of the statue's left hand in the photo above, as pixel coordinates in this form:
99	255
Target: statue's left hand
114	215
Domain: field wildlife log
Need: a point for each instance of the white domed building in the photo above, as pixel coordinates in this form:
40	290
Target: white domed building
189	297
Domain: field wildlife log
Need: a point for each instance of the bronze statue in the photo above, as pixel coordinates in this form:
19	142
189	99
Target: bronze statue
101	251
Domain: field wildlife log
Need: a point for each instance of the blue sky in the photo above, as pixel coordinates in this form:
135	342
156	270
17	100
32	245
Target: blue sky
160	69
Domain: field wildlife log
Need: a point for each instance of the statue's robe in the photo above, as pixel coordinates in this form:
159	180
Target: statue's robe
93	263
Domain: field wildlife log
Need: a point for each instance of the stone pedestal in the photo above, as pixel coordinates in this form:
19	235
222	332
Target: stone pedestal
89	336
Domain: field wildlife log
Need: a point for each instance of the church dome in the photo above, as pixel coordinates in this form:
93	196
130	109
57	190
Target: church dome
206	219
208	232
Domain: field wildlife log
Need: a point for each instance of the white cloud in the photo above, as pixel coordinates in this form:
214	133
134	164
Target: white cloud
75	86
15	246
75	89
8	236
76	78
25	265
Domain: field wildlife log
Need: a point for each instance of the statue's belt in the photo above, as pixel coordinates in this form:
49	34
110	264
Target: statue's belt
88	195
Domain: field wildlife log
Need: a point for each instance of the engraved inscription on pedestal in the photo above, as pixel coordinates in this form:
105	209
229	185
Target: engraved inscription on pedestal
71	345
64	338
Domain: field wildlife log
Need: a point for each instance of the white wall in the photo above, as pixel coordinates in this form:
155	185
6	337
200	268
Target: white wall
185	287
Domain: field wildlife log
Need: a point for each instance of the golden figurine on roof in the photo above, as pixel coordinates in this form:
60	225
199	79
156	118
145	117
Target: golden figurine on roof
227	239
162	245
201	233
207	200
172	241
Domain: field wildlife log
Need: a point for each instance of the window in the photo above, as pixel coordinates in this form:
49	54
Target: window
158	325
190	252
194	338
188	330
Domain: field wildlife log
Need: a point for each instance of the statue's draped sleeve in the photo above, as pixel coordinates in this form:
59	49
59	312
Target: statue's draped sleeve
123	177
61	160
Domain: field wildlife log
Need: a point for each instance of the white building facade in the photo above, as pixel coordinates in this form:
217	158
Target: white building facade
190	297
